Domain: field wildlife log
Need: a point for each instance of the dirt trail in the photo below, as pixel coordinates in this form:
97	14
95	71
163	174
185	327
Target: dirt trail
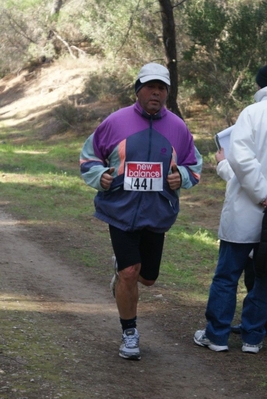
61	336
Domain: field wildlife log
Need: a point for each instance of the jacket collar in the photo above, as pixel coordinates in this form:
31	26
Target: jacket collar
261	95
162	112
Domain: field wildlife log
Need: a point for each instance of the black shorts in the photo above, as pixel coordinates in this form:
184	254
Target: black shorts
140	246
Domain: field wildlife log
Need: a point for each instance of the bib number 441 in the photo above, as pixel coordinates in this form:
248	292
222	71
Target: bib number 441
142	184
143	176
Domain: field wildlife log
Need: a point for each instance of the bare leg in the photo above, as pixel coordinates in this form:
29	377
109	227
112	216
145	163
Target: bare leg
127	291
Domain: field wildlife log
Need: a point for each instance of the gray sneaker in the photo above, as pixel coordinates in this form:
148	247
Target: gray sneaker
115	277
201	340
129	348
247	348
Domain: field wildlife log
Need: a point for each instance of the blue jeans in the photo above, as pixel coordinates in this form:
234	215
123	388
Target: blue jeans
222	297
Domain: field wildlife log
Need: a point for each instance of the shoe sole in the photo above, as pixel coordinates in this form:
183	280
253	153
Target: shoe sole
212	347
216	348
253	351
130	357
250	351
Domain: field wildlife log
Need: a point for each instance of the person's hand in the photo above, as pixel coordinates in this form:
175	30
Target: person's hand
219	156
174	179
106	178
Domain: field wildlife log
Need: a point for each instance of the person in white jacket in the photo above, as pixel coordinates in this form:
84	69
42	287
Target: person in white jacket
225	172
240	232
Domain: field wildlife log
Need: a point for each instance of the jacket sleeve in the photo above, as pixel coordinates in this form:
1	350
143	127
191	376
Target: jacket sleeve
190	174
91	166
243	158
224	170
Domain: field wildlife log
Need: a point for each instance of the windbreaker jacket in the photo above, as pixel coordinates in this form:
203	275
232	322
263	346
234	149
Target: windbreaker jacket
131	135
224	170
241	216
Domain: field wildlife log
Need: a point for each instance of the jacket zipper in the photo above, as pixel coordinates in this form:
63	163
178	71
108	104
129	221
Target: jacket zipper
148	158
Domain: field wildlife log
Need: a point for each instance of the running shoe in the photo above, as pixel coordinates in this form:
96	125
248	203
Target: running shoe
129	348
247	348
115	277
201	340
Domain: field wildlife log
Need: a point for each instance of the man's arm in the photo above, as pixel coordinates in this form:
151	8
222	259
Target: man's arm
93	170
244	160
223	168
190	174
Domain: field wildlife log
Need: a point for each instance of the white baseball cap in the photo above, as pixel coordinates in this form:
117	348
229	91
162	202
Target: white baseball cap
154	71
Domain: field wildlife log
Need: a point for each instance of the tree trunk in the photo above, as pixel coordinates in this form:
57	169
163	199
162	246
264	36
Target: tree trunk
57	4
169	40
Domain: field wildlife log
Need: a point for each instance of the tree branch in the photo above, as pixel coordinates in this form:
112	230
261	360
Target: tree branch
129	28
238	80
15	25
178	4
65	43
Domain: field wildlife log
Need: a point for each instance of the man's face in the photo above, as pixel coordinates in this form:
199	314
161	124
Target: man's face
152	96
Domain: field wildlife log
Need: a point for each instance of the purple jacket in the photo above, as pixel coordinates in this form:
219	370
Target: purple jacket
130	135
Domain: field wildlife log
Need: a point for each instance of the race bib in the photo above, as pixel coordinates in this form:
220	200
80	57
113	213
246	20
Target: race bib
143	176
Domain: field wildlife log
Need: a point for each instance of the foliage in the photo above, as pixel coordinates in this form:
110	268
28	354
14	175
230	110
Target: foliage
220	44
66	113
227	47
23	27
129	30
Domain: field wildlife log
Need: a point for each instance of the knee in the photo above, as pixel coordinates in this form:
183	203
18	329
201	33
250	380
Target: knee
130	273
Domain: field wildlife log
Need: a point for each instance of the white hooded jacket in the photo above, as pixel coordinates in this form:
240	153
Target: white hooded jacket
242	211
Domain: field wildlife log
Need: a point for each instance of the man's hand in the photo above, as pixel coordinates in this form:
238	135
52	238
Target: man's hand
174	179
107	179
219	156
